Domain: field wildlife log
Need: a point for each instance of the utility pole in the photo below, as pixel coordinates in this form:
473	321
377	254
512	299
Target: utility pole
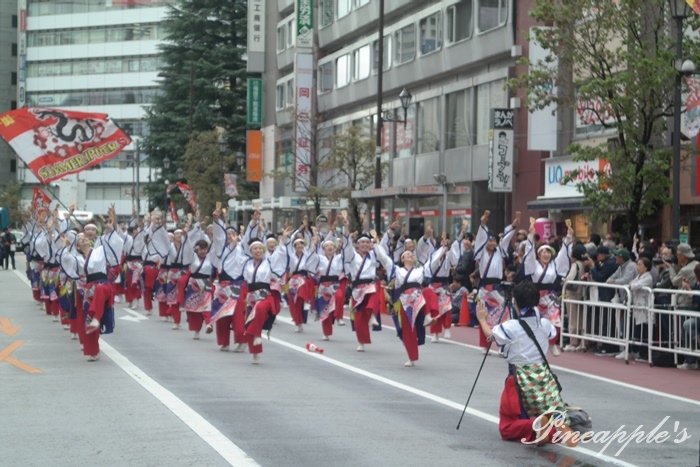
378	154
137	163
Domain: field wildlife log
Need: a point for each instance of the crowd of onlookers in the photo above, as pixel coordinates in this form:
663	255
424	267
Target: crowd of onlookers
637	264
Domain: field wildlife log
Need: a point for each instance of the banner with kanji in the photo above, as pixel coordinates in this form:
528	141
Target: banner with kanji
171	204
55	142
231	185
40	200
189	194
695	5
691	118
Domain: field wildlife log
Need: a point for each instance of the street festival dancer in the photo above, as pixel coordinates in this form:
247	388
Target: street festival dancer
228	310
302	262
134	246
362	264
546	274
330	275
259	300
530	385
491	256
198	293
442	261
409	284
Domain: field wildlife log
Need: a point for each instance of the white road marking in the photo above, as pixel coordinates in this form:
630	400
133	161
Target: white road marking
133	315
205	430
568	370
432	397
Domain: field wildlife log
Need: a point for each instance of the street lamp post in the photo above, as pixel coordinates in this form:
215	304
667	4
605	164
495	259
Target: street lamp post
442	180
137	164
680	10
378	143
166	166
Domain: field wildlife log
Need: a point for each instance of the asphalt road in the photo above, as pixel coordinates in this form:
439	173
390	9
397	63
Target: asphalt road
157	397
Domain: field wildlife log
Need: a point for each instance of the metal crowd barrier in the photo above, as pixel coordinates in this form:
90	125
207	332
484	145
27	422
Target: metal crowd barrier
675	328
670	329
590	320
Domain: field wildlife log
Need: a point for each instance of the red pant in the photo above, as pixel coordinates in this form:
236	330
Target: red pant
305	294
223	330
408	335
174	311
150	273
441	323
363	313
163	309
195	320
103	297
254	327
340	299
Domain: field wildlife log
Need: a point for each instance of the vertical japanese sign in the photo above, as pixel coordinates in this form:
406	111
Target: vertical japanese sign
501	150
304	131
254	148
256	36
305	23
254	102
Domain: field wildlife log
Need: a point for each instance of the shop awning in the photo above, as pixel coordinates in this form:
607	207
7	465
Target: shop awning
564	204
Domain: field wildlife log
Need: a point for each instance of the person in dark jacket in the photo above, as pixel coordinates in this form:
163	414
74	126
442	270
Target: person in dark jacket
600	270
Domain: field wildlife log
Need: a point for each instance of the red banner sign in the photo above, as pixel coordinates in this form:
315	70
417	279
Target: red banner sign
55	143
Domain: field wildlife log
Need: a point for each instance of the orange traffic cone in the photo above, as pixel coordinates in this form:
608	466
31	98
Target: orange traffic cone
464	312
311	347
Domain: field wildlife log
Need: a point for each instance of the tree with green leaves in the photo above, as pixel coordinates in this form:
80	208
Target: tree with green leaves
203	82
616	70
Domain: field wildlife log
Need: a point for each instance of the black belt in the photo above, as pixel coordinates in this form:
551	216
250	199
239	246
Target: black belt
37	258
410	285
544	286
362	281
199	275
133	258
301	273
149	263
329	279
165	266
489	281
177	265
440	280
258	286
96	277
51	265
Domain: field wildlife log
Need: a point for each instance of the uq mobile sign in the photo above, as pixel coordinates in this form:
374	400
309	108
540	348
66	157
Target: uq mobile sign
557	169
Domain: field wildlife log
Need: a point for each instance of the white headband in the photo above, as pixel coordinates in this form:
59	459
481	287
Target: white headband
545	247
90	225
256	242
299	240
323	243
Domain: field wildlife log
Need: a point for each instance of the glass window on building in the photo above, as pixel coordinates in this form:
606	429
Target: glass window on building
291	32
365	126
325	77
342	71
459	21
492	14
280	99
429	126
343	7
459	121
361	63
327	12
488	96
430	33
290	93
281	37
405	44
359	3
386	52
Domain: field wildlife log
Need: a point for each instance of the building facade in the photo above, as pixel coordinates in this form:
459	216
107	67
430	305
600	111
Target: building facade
9	50
95	56
453	56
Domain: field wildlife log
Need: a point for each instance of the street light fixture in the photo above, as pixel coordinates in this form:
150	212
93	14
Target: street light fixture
405	97
166	163
165	206
680	10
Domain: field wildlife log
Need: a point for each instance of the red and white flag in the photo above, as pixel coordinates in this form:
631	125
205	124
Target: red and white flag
55	142
189	194
40	200
231	184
